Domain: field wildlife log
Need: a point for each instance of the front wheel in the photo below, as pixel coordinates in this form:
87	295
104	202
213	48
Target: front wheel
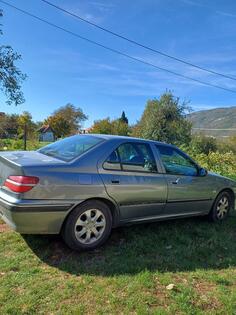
221	207
88	226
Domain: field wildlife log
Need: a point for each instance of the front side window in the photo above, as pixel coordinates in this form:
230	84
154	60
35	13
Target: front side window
132	157
175	162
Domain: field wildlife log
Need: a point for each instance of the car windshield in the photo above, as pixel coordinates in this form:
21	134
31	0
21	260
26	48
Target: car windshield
70	148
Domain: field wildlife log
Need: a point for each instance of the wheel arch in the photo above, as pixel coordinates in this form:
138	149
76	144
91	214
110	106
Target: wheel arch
111	205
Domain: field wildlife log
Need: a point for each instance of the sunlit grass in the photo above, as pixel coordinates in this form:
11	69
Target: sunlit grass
40	275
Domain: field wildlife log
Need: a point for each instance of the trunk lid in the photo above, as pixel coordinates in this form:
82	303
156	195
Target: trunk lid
7	168
13	162
26	158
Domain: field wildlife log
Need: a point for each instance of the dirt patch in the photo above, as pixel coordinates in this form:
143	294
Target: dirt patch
206	296
4	227
162	296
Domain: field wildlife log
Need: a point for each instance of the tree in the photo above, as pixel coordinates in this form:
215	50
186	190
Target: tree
66	120
12	124
120	128
10	76
164	120
26	124
59	124
123	118
9	125
102	126
110	127
2	125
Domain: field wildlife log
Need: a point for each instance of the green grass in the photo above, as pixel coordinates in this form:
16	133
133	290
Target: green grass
129	275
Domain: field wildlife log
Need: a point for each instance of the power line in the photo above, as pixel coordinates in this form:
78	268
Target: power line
114	50
137	43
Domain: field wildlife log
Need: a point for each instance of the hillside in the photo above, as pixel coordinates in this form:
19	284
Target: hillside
218	119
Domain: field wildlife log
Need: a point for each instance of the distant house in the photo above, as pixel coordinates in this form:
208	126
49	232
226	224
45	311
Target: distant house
46	134
85	130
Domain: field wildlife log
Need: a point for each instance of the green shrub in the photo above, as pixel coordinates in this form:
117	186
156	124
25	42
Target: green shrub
203	144
221	163
227	144
18	144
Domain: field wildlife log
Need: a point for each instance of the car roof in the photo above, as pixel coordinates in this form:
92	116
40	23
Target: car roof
114	137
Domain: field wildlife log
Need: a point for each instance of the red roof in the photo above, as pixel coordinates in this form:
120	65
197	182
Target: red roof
45	128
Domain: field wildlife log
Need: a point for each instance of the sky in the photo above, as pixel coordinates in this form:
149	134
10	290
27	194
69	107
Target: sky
63	69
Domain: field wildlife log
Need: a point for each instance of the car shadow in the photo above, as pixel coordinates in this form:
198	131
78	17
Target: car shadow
169	246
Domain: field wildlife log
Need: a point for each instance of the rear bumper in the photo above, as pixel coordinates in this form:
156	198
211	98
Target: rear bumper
34	217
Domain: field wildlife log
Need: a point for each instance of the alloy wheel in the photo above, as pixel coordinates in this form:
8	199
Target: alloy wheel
222	207
90	226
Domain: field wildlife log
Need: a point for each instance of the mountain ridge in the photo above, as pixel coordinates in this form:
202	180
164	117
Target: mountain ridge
217	122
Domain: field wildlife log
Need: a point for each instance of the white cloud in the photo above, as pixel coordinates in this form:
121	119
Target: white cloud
132	78
103	6
93	11
226	14
211	8
84	12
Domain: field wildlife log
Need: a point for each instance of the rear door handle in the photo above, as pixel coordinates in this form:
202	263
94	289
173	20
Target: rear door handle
115	181
175	182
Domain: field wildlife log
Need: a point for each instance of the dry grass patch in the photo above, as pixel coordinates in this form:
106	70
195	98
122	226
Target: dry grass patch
4	227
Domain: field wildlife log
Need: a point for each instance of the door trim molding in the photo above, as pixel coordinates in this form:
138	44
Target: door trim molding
189	200
141	204
164	216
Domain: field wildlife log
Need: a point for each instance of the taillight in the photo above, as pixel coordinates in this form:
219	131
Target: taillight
21	184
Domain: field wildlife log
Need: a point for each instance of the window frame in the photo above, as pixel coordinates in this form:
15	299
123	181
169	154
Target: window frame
181	153
132	171
119	162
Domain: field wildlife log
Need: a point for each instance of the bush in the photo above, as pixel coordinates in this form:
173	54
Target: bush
13	144
203	144
227	144
221	163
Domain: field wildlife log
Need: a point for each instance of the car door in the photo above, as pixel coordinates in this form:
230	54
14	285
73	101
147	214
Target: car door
131	178
188	192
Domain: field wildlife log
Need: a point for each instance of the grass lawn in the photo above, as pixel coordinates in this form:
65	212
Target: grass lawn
129	275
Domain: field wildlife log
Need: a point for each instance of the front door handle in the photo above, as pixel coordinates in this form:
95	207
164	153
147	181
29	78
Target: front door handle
115	181
175	182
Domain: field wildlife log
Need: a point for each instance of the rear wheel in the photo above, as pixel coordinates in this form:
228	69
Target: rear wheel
221	208
88	226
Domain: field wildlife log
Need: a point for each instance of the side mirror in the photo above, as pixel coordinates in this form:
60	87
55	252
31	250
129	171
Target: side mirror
202	172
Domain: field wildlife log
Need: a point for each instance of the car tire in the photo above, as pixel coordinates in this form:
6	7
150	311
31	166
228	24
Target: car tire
221	207
88	226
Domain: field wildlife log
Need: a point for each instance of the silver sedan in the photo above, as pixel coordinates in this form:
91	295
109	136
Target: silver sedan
84	185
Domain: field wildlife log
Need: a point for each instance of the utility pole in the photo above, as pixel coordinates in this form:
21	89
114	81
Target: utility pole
25	136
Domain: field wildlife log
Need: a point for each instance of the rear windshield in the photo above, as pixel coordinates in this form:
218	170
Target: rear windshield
70	148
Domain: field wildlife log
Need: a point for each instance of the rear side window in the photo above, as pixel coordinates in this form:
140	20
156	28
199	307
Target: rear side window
70	148
133	157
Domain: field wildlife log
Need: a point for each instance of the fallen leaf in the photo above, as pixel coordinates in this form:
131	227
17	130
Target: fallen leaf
170	286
